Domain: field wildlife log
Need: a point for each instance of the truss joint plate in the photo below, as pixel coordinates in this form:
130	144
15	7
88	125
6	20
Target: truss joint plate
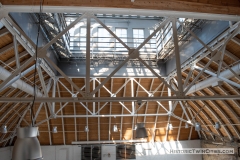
53	116
135	54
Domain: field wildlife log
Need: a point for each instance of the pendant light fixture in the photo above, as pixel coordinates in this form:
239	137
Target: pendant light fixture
86	129
186	125
198	126
27	146
4	129
217	125
115	129
135	127
54	130
170	126
141	131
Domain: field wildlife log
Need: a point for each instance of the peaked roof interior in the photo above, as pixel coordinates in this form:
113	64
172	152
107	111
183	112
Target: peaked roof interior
71	117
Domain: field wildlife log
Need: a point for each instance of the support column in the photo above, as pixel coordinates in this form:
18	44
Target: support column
177	54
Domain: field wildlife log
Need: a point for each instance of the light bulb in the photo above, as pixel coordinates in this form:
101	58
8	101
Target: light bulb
86	129
54	129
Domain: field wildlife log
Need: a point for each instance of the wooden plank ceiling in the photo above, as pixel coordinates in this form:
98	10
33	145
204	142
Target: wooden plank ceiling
203	6
206	112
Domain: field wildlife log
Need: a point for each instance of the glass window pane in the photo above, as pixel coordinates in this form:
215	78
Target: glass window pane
122	34
83	31
153	41
104	38
138	36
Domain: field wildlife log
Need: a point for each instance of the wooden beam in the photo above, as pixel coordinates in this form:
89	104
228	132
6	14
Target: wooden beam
231	7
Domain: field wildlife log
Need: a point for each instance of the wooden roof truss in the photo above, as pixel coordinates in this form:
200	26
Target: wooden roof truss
91	99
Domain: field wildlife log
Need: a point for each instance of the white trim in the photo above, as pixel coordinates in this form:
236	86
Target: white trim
113	141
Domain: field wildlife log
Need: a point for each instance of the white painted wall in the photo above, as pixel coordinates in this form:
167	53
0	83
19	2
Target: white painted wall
160	150
108	152
5	153
67	152
144	151
49	152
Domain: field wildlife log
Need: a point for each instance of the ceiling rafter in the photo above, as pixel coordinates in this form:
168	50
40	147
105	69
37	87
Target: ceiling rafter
124	94
213	112
204	124
12	135
229	108
208	117
186	112
216	116
110	112
147	104
156	118
48	125
11	123
99	121
75	113
134	120
218	108
61	111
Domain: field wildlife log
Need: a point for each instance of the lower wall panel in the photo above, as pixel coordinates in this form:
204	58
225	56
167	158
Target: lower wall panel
233	145
160	150
67	152
144	151
5	153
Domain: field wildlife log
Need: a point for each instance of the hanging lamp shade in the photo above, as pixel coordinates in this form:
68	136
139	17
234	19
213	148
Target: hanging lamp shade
186	125
141	131
86	129
170	126
27	146
4	129
198	126
135	127
217	125
115	129
54	130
